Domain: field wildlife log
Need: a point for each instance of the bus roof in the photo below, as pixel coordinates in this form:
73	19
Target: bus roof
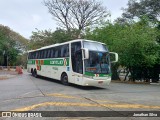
57	44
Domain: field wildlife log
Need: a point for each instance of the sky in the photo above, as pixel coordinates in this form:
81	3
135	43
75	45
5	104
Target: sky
24	16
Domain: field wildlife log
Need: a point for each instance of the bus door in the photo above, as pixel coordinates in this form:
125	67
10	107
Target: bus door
77	62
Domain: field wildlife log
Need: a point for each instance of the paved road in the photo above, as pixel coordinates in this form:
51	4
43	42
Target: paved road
25	93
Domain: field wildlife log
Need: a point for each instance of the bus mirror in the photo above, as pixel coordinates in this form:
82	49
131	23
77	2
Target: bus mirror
115	57
86	53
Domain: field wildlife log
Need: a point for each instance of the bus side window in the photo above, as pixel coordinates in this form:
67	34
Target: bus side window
41	55
76	56
59	51
33	55
65	51
48	54
62	50
29	56
52	53
56	52
36	56
45	53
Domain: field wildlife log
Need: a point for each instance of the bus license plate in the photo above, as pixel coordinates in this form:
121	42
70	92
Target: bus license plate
100	82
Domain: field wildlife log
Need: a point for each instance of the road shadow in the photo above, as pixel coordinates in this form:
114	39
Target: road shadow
71	84
48	79
86	87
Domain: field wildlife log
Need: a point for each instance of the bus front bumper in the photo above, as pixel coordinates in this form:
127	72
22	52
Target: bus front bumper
97	82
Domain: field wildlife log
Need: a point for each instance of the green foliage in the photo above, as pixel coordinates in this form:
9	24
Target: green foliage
139	8
147	12
135	43
22	60
47	37
11	43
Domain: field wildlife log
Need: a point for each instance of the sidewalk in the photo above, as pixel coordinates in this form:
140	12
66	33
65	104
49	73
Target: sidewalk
155	83
5	74
136	82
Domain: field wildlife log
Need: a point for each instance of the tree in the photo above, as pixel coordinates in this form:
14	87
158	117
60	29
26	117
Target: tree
42	38
149	8
135	43
21	60
76	14
11	44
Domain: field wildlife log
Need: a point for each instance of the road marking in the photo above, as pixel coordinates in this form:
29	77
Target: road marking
104	101
55	104
127	106
74	97
56	95
28	93
63	96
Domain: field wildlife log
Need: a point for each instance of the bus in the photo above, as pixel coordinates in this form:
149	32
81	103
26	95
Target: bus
82	62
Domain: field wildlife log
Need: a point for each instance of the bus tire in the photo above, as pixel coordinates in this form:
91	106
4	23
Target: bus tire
64	79
32	72
35	73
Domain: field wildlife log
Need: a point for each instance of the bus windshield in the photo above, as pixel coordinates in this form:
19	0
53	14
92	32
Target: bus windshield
95	46
98	63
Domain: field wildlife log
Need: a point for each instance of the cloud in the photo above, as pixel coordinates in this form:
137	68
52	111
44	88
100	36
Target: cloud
36	19
23	16
114	6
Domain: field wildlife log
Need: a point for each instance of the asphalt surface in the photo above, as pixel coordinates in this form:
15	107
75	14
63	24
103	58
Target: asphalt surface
26	93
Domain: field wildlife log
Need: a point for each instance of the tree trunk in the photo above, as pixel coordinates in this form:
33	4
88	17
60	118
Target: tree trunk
126	75
132	78
115	75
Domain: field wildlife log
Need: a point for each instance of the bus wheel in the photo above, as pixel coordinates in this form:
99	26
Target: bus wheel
35	74
32	72
64	79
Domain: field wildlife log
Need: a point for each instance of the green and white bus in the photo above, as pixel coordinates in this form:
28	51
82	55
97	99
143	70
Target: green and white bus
81	62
